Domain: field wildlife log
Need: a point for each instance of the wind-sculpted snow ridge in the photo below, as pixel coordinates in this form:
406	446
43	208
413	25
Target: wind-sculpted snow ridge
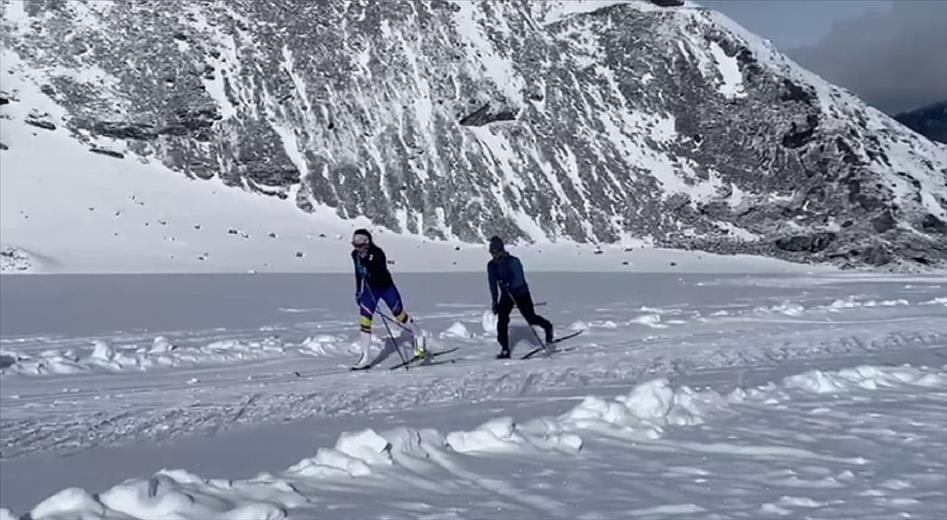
102	356
411	461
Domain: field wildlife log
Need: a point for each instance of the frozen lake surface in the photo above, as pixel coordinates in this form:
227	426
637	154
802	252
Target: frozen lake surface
686	396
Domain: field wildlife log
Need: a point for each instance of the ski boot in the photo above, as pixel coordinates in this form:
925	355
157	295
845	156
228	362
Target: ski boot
420	349
364	363
504	354
549	336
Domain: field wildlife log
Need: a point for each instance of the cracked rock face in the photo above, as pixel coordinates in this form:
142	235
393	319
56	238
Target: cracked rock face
533	119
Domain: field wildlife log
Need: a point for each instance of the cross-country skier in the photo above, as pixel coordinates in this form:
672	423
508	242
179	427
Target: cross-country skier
506	273
373	284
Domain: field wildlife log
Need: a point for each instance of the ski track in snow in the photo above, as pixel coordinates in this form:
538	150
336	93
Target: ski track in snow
817	440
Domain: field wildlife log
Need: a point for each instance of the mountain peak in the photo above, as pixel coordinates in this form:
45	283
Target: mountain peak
460	120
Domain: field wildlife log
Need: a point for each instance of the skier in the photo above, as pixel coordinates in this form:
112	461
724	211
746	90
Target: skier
506	272
373	283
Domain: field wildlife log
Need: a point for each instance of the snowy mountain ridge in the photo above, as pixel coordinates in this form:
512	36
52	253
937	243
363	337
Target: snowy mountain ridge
544	121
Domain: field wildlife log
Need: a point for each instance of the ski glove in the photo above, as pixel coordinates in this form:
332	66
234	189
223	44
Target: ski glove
494	308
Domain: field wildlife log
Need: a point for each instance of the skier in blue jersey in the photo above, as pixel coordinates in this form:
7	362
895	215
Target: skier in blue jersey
373	284
508	289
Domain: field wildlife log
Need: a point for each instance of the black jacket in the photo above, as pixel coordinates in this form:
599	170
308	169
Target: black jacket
506	272
372	269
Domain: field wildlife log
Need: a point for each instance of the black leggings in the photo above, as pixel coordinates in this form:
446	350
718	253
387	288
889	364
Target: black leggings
525	304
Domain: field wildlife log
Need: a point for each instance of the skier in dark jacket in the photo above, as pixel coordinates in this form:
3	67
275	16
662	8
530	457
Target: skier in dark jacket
373	283
505	273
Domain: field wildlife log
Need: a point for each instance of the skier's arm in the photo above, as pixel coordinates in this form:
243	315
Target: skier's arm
492	277
358	275
519	279
380	260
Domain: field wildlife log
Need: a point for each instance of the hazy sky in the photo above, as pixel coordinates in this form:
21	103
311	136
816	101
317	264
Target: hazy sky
892	53
795	23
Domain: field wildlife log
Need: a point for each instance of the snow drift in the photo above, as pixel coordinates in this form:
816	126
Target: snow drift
644	414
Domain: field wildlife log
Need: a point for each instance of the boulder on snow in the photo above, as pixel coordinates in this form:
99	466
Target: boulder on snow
932	224
40	123
801	134
6	360
883	222
806	243
106	151
487	114
123	130
875	255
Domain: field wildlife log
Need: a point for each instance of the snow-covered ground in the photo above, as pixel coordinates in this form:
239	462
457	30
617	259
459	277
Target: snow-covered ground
687	396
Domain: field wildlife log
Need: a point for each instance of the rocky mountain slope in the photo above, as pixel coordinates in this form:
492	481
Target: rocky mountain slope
589	121
929	121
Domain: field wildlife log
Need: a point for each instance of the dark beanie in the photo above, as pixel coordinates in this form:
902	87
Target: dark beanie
496	245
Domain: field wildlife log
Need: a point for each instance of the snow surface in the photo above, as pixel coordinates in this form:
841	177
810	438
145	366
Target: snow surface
689	396
586	456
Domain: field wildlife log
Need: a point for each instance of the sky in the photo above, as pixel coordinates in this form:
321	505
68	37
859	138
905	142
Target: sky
891	53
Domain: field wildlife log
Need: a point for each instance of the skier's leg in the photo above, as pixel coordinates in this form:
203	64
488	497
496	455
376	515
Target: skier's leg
367	306
525	303
504	308
393	299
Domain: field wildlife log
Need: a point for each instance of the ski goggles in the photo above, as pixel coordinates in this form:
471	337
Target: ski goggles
359	240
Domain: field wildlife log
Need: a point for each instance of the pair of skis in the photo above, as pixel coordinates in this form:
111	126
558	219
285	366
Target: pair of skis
415	360
427	360
431	355
545	347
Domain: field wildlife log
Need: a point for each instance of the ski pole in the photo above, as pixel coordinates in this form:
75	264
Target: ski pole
393	321
387	328
530	325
